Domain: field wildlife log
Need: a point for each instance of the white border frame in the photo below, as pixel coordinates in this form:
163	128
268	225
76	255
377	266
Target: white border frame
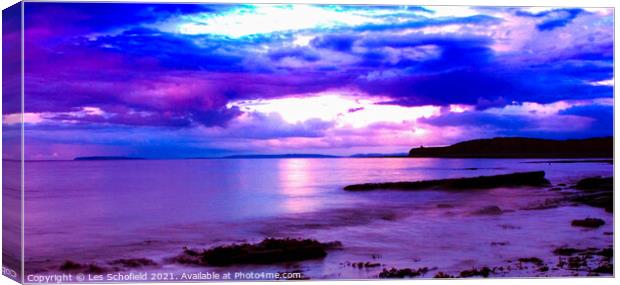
504	3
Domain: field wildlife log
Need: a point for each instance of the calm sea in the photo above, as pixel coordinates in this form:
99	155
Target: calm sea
98	211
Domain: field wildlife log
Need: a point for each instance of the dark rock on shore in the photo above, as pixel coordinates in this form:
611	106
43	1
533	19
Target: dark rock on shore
598	192
442	275
70	266
484	272
534	260
539	263
588	223
603	200
402	273
594	191
570	251
535	178
596	183
268	251
521	148
592	260
490	210
567	251
366	264
605	268
606	252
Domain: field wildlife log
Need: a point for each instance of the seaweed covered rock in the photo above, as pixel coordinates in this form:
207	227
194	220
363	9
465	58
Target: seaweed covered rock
442	275
567	251
484	272
70	265
596	183
268	251
534	260
598	200
402	273
592	251
597	192
366	264
605	268
588	223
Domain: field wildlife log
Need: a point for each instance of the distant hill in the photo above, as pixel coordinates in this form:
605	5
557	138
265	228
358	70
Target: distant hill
370	155
290	155
107	158
515	147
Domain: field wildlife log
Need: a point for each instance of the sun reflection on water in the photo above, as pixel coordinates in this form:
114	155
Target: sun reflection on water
296	182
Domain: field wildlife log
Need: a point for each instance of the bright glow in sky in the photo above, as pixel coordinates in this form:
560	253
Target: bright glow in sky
345	110
251	20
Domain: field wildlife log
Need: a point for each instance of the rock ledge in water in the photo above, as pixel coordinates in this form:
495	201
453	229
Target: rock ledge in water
588	223
534	178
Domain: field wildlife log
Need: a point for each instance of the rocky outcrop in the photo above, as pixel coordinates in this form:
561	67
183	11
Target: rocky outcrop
536	179
521	148
268	251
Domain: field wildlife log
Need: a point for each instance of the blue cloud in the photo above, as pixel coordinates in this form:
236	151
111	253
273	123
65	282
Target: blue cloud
479	119
603	116
420	22
272	126
173	51
300	53
558	126
103	16
339	42
553	19
390	8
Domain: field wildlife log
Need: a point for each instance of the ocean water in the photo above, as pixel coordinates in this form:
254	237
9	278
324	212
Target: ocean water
99	211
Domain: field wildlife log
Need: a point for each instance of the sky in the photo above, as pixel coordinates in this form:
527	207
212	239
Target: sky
187	80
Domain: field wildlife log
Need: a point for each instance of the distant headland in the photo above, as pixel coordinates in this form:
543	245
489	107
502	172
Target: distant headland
516	147
288	155
500	147
107	158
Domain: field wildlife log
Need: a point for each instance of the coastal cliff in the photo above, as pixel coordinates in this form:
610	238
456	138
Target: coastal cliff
515	147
